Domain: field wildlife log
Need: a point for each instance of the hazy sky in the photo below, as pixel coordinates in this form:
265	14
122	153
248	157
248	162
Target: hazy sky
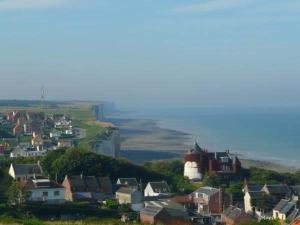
168	52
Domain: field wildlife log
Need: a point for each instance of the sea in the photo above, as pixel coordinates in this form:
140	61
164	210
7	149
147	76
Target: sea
271	134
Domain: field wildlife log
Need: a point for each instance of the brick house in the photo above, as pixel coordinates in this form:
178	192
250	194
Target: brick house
165	212
18	129
198	162
234	215
209	200
87	188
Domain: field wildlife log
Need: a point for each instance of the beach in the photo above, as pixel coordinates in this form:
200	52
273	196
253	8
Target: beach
145	140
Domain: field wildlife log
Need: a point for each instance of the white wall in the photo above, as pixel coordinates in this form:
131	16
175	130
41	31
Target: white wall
191	171
37	195
247	203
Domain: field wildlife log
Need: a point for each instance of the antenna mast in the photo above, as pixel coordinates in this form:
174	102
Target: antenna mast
43	96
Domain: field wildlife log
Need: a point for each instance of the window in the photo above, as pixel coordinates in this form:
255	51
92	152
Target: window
56	193
45	193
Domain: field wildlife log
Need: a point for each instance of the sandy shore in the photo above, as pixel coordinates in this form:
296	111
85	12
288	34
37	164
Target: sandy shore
143	140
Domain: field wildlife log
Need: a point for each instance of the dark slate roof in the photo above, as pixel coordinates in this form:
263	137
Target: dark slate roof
207	191
77	183
232	212
89	183
296	190
151	210
41	184
294	215
278	189
160	187
254	187
104	182
126	190
172	208
128	181
256	195
24	169
288	207
281	204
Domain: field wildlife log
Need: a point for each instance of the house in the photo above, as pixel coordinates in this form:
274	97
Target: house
186	201
23	172
164	211
44	190
64	143
157	189
26	152
10	142
129	195
260	200
35	116
18	129
154	215
127	182
294	214
234	215
296	221
69	130
198	162
56	134
37	140
31	127
58	117
210	200
87	188
284	209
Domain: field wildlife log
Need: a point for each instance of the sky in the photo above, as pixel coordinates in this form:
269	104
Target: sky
152	52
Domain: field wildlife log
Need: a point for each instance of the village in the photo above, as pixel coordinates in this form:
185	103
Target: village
36	134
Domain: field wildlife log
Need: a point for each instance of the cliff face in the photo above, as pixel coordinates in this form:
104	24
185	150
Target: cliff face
108	144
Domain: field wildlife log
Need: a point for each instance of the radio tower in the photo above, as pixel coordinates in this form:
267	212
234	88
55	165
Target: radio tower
43	94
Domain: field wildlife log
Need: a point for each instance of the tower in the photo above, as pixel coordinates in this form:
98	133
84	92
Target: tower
193	163
43	95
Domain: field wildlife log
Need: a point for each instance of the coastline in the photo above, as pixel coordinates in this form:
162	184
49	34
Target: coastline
146	140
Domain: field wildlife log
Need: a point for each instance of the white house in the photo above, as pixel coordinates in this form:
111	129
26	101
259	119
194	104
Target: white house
23	172
160	188
55	134
128	182
44	190
69	130
64	143
27	152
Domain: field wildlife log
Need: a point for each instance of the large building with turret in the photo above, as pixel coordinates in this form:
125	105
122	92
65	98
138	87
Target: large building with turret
198	162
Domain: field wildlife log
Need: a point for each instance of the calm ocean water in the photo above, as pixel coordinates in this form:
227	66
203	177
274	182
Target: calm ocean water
269	134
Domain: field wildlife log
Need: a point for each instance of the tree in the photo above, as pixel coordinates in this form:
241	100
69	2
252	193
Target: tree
15	194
